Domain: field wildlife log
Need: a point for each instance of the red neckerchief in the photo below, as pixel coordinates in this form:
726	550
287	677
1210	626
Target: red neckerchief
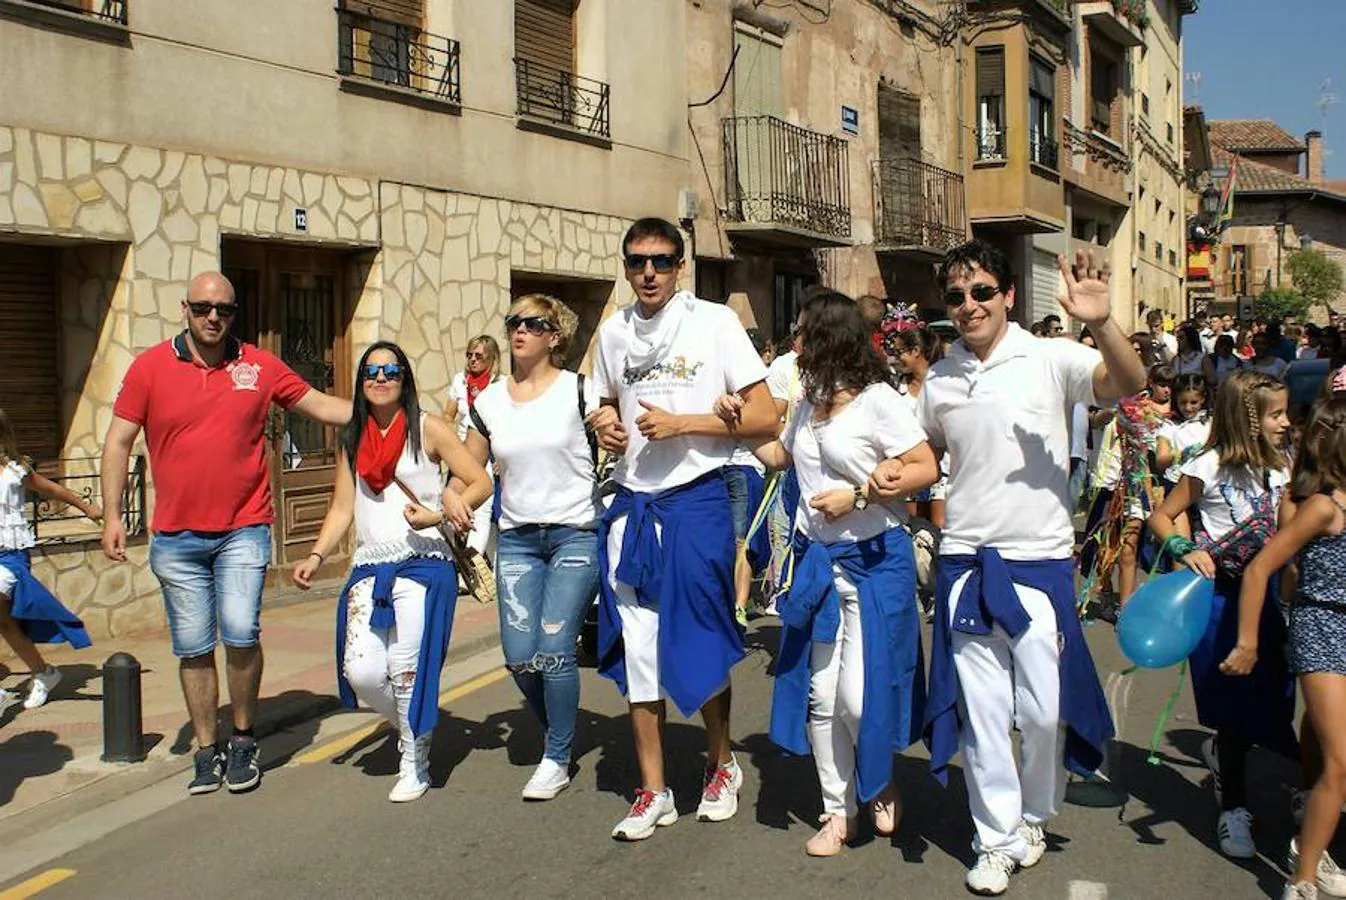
376	460
476	384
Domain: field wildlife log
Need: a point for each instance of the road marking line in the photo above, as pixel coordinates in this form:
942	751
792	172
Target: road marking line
1088	890
36	884
337	746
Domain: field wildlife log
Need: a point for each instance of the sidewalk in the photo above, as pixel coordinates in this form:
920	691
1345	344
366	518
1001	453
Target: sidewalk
52	752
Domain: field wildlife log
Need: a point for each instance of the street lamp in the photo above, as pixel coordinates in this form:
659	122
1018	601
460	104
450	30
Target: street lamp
1210	203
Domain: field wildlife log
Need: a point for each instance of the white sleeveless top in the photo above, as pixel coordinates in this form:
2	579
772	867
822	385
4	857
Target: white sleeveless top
381	531
16	533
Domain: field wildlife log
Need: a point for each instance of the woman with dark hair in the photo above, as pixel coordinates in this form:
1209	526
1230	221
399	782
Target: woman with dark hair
396	611
849	684
1191	358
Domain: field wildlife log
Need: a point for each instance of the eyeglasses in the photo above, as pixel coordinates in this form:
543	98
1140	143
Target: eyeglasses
201	309
979	292
534	325
475	354
663	262
391	371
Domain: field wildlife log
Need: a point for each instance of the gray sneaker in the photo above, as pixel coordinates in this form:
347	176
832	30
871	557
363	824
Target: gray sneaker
209	765
240	771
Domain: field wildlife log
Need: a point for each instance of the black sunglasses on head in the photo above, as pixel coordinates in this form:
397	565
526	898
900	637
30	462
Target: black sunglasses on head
391	371
663	262
534	325
979	292
201	309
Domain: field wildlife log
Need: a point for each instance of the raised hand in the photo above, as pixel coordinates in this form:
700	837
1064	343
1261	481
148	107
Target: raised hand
1088	296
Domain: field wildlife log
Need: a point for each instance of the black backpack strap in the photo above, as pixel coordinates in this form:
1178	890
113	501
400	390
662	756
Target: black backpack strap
478	424
589	435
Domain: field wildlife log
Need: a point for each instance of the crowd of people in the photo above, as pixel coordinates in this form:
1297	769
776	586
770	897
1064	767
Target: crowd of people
863	466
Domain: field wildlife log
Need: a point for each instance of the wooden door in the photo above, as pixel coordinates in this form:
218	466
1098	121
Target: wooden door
293	307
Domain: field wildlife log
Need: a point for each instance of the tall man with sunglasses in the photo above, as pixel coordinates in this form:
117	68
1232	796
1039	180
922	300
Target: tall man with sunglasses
1008	651
202	400
666	545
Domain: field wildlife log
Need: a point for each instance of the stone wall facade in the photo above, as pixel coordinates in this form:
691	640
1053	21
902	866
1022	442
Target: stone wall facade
427	268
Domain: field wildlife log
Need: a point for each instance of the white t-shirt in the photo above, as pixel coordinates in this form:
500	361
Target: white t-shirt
1079	431
546	473
16	532
1227	494
709	355
782	381
1004	423
458	391
1191	432
1271	365
843	452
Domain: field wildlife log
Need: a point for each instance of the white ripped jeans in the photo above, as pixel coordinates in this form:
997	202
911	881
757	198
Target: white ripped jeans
836	699
381	665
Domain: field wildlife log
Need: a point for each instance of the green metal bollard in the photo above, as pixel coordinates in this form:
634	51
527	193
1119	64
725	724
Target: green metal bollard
123	738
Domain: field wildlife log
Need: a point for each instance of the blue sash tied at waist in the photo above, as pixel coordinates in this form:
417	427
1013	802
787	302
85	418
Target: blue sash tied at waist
43	618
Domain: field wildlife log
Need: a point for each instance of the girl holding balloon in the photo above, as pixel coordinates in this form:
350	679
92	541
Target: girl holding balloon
1235	486
1314	536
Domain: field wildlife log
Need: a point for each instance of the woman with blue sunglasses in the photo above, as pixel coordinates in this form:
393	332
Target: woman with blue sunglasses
396	611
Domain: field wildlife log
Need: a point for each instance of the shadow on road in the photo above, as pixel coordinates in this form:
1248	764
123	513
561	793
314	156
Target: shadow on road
30	754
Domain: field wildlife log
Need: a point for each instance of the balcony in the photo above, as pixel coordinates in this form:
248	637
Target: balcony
1042	150
1115	20
920	207
104	20
396	61
784	184
56	524
560	102
1097	164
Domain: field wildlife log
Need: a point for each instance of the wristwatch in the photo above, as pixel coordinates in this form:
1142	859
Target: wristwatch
860	500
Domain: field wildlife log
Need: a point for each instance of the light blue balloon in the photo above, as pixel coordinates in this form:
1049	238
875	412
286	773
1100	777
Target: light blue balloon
1164	620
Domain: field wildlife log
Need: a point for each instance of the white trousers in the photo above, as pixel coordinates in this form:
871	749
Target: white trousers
1009	683
836	699
640	625
380	665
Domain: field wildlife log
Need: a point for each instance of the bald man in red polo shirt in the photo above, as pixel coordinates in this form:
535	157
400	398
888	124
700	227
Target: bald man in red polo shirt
202	399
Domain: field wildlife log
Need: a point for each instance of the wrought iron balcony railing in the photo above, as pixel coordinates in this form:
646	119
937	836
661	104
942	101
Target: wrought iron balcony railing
920	205
398	55
561	98
778	173
991	143
111	11
55	523
1043	150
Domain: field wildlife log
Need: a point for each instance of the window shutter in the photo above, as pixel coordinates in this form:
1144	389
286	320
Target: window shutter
29	391
403	12
757	74
544	32
1042	79
899	124
991	72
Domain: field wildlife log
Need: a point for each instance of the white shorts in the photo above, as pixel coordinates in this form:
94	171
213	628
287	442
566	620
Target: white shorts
7	581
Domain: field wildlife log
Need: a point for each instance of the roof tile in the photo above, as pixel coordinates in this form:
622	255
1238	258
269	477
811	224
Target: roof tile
1253	134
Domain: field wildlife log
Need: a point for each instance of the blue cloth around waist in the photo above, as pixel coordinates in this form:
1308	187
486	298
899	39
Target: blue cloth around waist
43	618
989	599
883	570
687	575
440	580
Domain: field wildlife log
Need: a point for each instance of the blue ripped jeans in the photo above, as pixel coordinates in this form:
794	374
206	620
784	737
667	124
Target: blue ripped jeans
546	578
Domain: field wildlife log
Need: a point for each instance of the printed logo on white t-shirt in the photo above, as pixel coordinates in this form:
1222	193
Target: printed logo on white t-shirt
675	371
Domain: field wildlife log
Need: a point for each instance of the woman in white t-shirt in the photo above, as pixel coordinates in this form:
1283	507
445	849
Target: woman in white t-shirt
546	570
482	369
1235	486
857	700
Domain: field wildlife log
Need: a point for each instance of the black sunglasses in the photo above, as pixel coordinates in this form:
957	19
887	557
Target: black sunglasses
534	325
663	262
201	309
979	292
391	371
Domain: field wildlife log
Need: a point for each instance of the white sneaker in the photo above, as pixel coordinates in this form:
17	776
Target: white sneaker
6	698
1331	879
1213	764
1037	844
414	772
649	812
549	779
41	687
990	876
719	797
1302	891
1236	834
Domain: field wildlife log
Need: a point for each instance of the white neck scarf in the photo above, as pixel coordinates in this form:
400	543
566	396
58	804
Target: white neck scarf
650	338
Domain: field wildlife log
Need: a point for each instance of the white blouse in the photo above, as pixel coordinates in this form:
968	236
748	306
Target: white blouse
16	532
381	531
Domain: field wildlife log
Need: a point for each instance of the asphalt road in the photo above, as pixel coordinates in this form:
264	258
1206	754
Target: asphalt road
325	829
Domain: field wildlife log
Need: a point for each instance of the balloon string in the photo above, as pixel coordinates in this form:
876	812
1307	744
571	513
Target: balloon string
1160	725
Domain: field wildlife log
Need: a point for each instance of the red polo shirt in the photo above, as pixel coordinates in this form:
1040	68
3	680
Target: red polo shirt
204	427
